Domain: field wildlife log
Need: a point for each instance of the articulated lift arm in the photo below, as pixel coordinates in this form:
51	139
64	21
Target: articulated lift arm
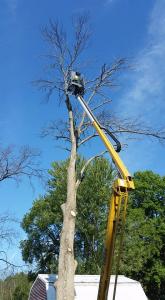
121	186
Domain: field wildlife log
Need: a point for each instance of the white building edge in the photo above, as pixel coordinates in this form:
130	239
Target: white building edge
86	288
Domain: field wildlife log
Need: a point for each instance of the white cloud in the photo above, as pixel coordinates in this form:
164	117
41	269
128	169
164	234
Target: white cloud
145	94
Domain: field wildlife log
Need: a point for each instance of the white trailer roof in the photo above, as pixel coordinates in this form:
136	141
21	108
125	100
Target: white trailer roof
86	287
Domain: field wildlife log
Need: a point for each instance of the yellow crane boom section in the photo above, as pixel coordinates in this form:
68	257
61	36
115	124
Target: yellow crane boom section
115	156
117	211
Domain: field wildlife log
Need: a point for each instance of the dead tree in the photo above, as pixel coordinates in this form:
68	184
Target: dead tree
77	130
14	165
8	235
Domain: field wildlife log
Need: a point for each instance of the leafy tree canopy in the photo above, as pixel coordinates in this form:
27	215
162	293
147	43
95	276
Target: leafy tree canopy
143	253
44	221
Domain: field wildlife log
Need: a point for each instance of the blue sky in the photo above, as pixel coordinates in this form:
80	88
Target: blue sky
133	29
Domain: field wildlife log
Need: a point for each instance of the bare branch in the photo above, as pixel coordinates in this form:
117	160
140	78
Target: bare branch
23	164
6	263
105	79
11	264
87	139
64	148
107	76
7	236
7	232
132	127
56	36
82	173
101	104
156	134
82	36
57	130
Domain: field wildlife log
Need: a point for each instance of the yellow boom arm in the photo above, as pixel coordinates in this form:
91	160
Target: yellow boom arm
118	205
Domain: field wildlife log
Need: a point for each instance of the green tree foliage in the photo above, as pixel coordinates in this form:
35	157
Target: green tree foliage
44	221
143	252
15	287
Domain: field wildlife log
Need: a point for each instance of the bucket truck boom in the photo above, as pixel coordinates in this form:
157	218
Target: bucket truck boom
120	190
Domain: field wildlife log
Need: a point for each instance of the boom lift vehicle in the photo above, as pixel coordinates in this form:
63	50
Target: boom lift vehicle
120	190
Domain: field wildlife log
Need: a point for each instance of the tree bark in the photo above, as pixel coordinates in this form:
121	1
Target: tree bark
67	264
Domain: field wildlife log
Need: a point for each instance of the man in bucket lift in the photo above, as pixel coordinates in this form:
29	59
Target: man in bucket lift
76	84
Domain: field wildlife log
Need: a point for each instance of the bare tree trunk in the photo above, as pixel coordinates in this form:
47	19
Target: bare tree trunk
67	264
